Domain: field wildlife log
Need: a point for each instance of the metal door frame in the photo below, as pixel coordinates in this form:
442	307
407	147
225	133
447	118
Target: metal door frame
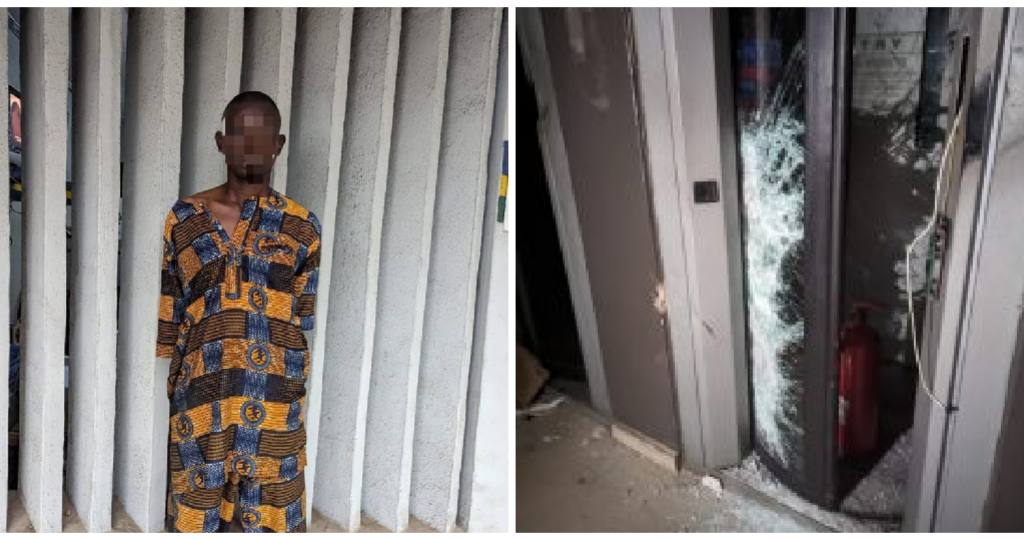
829	46
533	47
699	244
933	503
657	96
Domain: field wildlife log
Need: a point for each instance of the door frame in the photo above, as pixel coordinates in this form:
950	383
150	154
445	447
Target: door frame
699	244
953	449
533	48
829	48
661	148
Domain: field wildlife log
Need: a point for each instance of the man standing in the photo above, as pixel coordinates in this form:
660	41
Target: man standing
239	281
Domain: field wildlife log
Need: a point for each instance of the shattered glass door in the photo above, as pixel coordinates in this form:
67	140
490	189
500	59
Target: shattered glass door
840	122
771	67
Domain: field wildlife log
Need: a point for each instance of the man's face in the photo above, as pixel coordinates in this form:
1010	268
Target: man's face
251	142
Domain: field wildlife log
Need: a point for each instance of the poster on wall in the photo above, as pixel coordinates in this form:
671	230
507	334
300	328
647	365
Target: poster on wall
507	191
503	190
14	126
888	53
14	143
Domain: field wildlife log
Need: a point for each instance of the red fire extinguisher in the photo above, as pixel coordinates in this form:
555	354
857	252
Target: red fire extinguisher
859	357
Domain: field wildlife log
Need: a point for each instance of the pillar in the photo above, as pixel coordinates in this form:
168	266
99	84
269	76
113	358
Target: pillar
152	150
405	254
483	486
5	302
454	264
483	495
96	144
213	71
44	62
351	321
268	60
318	116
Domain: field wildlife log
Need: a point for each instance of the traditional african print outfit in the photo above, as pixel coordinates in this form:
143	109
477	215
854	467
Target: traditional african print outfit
232	312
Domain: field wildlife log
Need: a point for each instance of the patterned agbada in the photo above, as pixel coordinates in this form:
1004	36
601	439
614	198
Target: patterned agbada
232	312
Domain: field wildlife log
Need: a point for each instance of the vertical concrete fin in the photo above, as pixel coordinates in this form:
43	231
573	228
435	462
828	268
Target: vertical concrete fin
483	480
351	319
268	62
213	63
235	31
152	150
44	60
405	247
96	141
450	292
322	54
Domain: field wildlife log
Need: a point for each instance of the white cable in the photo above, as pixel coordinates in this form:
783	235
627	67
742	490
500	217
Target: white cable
910	249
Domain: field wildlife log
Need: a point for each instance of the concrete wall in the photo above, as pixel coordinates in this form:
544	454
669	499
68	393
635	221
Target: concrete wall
596	104
13	46
213	63
370	99
268	61
96	140
322	51
152	136
405	256
364	170
45	50
451	286
484	483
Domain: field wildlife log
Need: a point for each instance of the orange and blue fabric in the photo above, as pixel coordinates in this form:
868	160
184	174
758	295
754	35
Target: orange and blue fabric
233	309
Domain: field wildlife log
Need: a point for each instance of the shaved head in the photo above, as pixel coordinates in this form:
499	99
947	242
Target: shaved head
252	97
251	138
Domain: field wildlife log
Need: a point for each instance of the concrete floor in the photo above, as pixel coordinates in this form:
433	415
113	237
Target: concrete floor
18	522
571	476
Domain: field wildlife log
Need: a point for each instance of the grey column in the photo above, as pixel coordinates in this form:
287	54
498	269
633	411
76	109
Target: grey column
318	116
152	149
268	60
483	484
213	71
96	141
44	61
454	265
405	258
995	286
5	283
351	321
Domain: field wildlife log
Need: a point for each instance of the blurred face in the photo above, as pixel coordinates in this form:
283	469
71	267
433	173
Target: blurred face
251	141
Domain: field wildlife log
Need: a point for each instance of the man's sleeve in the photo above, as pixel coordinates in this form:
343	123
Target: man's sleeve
306	279
172	301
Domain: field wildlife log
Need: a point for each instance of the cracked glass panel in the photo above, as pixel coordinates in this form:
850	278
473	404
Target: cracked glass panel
770	59
897	116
